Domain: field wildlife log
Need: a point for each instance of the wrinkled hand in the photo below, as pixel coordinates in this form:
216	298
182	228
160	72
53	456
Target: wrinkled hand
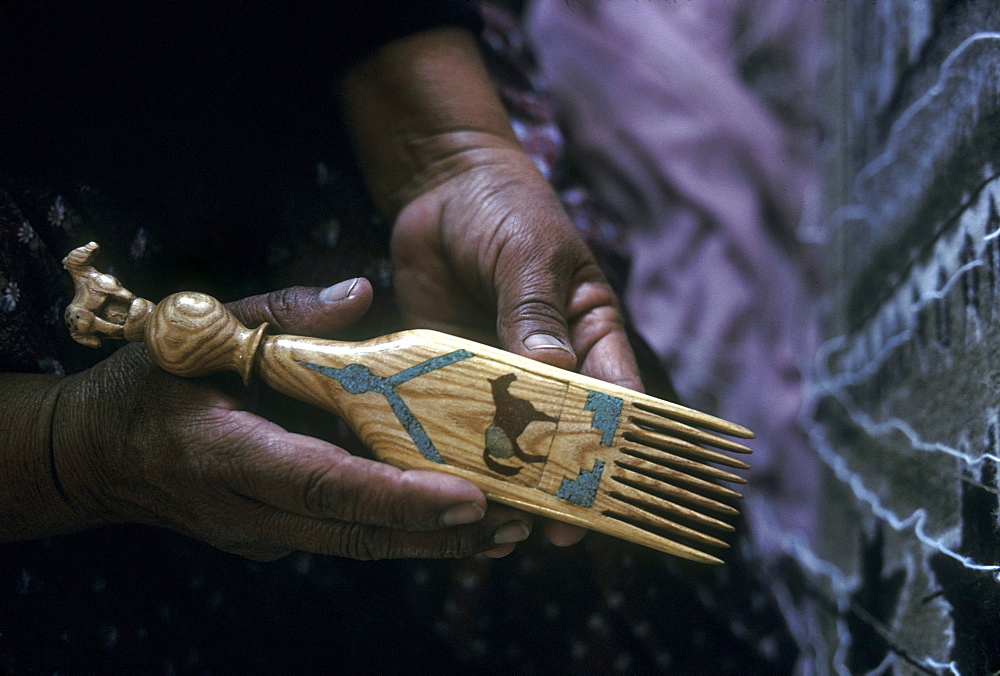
488	252
481	246
132	443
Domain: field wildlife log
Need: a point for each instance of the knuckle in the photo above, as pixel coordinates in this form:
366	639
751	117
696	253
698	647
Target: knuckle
359	542
317	495
395	507
535	309
219	465
280	307
454	543
460	545
532	316
368	496
334	491
467	541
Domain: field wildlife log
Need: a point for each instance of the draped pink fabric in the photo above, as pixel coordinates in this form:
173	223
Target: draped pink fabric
693	123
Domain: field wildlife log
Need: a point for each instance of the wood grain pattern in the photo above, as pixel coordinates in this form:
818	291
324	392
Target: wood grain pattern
191	334
533	436
576	476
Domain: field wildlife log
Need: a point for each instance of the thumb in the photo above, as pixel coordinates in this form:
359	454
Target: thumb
531	310
307	311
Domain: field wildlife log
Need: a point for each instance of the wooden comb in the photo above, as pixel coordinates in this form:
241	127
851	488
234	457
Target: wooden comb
532	436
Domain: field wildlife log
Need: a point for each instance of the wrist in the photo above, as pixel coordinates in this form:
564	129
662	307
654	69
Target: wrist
420	111
39	498
79	445
94	439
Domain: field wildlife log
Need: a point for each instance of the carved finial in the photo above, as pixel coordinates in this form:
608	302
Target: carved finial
101	307
187	334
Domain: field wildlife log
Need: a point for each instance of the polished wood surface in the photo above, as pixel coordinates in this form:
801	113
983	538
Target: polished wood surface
533	436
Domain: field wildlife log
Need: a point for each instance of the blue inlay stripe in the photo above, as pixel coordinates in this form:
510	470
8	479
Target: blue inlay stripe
358	379
582	490
427	366
607	411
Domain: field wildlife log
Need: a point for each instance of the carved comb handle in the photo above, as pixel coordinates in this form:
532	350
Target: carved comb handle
188	334
532	436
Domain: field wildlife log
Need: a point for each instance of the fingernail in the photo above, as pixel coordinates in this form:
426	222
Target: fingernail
545	341
339	291
515	531
459	515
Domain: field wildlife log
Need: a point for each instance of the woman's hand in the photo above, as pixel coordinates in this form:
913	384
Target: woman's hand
490	253
131	443
481	246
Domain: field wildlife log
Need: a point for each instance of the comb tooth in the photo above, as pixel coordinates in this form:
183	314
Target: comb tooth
661	457
646	537
667	442
642	464
677	412
655	475
643	494
679	428
637	516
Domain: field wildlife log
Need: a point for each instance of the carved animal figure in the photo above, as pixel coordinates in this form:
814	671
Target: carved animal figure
100	304
512	417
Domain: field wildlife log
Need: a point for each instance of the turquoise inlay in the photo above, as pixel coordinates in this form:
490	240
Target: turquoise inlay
583	489
358	379
607	410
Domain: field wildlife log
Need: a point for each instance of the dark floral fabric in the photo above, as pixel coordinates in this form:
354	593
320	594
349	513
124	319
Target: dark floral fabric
136	600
